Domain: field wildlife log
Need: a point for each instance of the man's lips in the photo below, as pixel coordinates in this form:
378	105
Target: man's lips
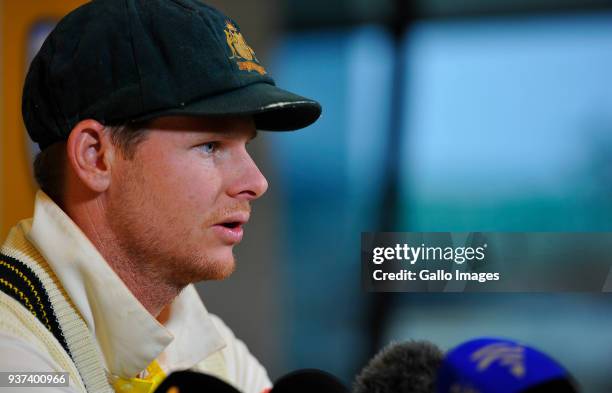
234	220
230	229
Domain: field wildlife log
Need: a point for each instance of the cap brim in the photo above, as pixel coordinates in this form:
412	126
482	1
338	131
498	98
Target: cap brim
273	109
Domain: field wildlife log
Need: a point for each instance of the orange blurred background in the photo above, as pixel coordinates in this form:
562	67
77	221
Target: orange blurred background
17	17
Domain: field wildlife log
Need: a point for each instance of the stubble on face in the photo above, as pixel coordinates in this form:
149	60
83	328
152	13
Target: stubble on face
156	241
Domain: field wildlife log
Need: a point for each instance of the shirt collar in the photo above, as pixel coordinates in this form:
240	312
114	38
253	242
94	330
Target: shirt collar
129	337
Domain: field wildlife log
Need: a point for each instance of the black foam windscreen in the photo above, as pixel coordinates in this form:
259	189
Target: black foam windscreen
309	381
194	382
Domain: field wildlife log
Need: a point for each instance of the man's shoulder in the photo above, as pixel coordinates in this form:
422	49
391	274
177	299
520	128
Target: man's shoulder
23	338
18	322
224	330
22	333
243	369
235	349
27	346
16	319
16	242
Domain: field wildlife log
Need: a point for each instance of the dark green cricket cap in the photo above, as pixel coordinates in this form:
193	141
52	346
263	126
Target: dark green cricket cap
120	61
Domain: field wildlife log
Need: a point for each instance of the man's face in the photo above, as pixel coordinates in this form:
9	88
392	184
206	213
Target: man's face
179	205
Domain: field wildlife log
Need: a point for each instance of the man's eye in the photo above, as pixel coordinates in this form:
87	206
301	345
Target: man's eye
209	147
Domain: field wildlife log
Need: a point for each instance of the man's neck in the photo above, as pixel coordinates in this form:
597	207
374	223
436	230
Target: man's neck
151	290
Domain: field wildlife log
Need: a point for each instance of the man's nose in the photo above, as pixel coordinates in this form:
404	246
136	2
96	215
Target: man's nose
250	183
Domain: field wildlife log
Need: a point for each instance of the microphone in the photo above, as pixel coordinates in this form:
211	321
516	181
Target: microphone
309	381
301	381
409	367
493	365
193	382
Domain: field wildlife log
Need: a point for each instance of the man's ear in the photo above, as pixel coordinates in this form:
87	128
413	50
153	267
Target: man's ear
90	154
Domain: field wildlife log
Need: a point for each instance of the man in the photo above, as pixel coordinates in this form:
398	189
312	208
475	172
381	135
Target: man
142	110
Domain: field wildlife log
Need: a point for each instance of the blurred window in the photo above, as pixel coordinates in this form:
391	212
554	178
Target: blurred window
508	127
330	175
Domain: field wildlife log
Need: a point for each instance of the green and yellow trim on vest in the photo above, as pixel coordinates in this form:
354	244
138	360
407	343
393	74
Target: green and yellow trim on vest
19	282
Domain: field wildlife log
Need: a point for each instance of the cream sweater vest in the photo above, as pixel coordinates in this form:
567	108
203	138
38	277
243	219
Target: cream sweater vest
85	368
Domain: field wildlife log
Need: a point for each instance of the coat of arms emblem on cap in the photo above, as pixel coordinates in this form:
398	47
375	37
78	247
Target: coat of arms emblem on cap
241	51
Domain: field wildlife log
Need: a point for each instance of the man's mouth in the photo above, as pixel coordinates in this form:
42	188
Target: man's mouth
232	224
230	230
234	220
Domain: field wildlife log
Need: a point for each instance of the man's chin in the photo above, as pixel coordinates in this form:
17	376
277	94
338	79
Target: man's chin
204	267
224	272
218	268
